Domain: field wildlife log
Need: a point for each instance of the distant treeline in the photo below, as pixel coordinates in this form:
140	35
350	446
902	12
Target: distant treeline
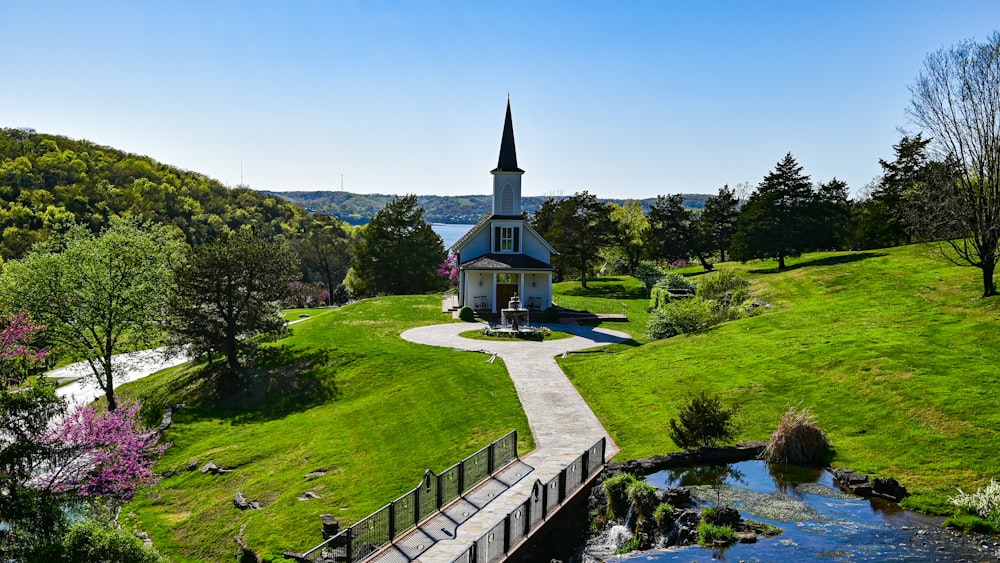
358	209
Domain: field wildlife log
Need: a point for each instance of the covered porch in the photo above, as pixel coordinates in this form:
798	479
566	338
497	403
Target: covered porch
490	290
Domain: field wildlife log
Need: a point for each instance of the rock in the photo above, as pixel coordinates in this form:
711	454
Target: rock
725	516
169	473
746	537
889	489
193	465
314	474
744	451
677	497
254	505
146	540
240	501
210	468
331	526
309	495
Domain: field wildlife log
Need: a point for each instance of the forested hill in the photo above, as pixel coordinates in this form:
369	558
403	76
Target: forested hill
360	208
46	180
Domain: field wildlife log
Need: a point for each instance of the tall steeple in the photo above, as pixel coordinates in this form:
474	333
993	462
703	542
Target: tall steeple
508	153
507	176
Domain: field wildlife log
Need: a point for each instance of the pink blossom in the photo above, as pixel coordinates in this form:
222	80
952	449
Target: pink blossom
15	339
107	455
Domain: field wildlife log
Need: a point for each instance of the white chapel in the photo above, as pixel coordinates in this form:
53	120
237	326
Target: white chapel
502	255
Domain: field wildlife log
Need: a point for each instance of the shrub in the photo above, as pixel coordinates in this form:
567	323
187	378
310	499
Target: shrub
90	541
648	273
702	422
340	295
671	287
467	314
616	489
717	286
797	440
663	516
984	503
643	497
551	315
712	534
660	326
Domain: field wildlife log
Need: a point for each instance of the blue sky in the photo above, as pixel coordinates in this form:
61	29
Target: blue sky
624	99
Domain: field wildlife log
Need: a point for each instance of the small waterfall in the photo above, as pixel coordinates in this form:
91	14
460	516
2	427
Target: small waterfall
631	517
617	536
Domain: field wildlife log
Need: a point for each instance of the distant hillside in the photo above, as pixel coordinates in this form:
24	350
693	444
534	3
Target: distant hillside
46	180
358	209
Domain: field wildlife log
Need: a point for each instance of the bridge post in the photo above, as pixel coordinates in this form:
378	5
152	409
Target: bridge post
506	534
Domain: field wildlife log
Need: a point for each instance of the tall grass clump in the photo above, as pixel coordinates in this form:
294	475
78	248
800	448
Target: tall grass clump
643	497
616	489
679	306
684	316
797	440
703	421
709	534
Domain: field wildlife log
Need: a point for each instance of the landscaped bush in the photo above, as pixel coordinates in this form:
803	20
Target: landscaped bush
90	541
467	314
703	421
671	287
797	440
550	315
648	273
616	490
660	326
984	504
716	286
685	316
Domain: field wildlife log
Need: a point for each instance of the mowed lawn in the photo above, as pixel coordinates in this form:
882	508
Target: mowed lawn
892	350
345	396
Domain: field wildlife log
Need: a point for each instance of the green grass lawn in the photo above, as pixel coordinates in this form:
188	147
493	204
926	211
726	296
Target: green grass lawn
297	314
892	350
345	395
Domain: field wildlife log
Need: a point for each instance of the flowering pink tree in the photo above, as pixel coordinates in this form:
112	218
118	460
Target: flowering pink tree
16	351
106	456
449	269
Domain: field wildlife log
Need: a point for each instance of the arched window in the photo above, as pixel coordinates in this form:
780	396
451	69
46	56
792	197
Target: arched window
507	200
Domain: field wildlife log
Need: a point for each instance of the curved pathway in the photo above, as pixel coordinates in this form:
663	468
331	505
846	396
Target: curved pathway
561	422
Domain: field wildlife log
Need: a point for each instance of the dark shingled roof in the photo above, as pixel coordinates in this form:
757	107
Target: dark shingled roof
506	262
508	154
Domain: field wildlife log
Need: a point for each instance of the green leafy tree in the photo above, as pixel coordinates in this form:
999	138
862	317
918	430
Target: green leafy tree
325	252
97	295
398	252
776	221
630	226
956	100
718	220
228	293
578	227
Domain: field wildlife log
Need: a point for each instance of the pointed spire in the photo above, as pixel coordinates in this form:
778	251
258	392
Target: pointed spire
508	154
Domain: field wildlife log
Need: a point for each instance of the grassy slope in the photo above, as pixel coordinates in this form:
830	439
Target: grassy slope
354	399
890	349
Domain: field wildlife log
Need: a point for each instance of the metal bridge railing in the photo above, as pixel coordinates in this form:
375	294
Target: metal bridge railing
543	500
434	492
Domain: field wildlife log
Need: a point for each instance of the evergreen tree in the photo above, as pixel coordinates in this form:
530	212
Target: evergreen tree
228	292
398	252
675	232
776	220
578	227
831	213
718	220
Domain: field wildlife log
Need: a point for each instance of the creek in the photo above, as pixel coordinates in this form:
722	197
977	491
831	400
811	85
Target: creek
818	520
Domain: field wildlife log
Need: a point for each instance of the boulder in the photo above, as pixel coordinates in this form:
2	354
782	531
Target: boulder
240	501
677	497
889	489
883	487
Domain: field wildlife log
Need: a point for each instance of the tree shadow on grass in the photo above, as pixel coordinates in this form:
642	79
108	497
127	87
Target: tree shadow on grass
826	261
285	380
608	288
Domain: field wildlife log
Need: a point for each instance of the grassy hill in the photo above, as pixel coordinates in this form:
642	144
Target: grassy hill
344	394
891	349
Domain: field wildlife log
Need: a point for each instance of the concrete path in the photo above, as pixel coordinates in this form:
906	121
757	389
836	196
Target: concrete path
133	365
561	422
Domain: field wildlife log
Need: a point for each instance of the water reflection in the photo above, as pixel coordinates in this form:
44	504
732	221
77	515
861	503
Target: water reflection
819	521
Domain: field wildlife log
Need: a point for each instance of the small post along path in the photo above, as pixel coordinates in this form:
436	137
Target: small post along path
561	422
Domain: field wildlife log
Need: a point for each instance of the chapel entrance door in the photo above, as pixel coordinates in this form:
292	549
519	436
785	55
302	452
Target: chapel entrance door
504	292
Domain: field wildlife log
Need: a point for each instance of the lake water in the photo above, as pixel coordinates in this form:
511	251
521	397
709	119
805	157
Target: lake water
819	522
450	233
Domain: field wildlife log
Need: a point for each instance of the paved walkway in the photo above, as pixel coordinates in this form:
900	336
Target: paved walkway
561	422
